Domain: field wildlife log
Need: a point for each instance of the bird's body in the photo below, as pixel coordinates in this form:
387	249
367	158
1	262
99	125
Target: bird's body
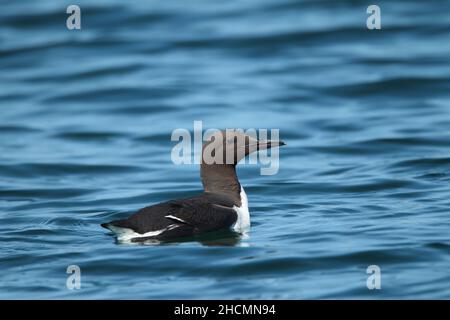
185	217
223	205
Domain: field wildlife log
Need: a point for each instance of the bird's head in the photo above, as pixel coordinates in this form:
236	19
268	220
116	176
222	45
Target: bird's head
231	146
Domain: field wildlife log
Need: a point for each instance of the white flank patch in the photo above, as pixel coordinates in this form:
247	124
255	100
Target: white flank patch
126	234
242	224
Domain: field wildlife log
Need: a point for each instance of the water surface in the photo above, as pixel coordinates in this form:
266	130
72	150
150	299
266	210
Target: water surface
85	124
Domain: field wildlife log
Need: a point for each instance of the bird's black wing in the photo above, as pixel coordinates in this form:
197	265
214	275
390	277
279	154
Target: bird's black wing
178	218
201	215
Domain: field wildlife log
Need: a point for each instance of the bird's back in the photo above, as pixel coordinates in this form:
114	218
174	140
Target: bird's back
177	218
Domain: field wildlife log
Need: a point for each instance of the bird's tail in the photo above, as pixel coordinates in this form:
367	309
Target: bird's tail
106	225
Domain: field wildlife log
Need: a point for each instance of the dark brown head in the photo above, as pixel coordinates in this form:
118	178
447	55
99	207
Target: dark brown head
222	153
231	146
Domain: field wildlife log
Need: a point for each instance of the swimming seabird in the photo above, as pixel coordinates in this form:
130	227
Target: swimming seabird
222	205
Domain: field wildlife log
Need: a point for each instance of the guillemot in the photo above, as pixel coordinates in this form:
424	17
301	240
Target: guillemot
222	205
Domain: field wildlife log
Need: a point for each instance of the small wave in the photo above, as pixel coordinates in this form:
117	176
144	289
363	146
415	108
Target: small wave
400	86
442	163
43	193
88	136
63	169
144	109
89	74
18	129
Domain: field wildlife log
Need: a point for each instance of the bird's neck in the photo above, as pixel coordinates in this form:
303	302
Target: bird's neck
221	179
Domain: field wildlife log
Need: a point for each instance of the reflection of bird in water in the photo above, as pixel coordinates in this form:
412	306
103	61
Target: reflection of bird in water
224	237
223	205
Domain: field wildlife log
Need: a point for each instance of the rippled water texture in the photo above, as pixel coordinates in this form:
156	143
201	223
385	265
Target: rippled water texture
85	124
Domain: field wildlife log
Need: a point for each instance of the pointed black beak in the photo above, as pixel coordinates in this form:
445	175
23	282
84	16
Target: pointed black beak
269	144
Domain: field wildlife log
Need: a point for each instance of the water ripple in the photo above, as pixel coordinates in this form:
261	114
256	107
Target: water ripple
85	131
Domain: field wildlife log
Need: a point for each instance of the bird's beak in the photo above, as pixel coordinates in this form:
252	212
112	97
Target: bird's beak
257	145
262	145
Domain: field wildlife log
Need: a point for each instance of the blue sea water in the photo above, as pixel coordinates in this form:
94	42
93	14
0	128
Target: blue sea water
86	118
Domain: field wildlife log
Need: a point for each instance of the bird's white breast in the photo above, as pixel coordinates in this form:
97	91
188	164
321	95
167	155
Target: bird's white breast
242	223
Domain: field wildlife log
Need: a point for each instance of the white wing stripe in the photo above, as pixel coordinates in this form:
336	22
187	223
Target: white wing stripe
175	218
